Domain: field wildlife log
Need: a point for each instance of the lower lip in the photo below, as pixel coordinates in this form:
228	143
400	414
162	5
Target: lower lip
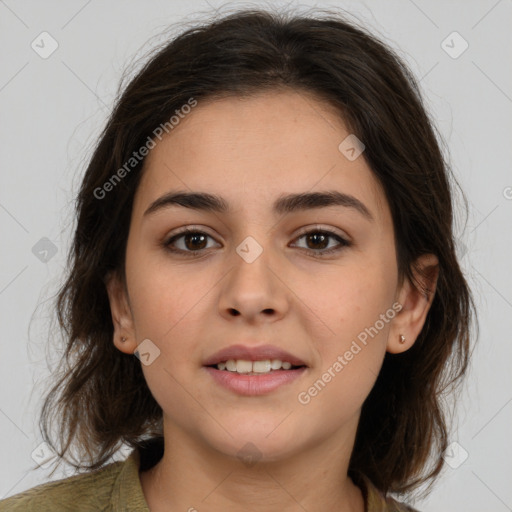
251	385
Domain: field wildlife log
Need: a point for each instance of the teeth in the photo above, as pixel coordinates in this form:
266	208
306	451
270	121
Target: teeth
276	364
261	366
244	366
231	365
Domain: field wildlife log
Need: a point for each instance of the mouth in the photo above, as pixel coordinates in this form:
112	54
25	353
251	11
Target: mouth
261	367
252	358
254	383
253	370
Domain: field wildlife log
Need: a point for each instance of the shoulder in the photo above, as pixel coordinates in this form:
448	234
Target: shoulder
376	501
396	506
86	491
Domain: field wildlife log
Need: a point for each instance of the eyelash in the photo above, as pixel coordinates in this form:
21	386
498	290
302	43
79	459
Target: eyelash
315	253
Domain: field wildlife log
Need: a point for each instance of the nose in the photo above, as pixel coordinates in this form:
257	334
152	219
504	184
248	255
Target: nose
254	288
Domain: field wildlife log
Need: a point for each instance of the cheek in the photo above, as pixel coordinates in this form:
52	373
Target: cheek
356	305
350	357
164	300
354	298
168	310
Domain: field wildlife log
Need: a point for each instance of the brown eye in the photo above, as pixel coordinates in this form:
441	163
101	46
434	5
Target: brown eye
194	241
189	242
317	241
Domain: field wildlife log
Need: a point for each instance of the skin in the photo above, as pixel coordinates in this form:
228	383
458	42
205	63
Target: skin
250	151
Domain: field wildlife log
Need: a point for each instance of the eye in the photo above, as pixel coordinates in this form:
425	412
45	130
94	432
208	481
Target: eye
192	244
318	241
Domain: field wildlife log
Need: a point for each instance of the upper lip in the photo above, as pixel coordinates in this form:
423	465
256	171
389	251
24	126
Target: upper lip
253	353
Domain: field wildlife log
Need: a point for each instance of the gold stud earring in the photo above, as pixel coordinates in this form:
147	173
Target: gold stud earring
402	338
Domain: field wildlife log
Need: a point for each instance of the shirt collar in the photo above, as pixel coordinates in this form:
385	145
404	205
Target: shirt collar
127	494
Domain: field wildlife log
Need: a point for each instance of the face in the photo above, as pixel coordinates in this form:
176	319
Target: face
319	282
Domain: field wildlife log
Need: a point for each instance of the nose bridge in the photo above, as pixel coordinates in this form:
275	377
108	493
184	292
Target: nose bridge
254	232
252	260
252	285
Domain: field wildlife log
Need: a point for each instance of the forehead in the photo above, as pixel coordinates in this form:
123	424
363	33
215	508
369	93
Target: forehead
250	150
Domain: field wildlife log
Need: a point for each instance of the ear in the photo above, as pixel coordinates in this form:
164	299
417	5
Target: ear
122	318
415	304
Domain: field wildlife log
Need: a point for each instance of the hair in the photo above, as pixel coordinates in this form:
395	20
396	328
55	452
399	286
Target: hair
100	398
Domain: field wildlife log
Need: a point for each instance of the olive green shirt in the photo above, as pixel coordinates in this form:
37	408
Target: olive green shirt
116	487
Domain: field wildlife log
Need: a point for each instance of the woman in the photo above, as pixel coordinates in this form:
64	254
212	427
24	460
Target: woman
266	224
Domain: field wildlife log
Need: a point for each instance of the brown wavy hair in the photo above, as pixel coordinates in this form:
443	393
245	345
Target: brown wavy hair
100	399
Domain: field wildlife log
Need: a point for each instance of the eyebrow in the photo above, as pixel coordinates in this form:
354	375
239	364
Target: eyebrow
284	204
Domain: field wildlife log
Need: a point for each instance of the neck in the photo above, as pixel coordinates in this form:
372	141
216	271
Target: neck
194	477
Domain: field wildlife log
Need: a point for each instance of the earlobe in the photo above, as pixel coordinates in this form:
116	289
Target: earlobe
416	302
124	333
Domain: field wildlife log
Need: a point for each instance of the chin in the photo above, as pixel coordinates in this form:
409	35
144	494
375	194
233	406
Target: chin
251	444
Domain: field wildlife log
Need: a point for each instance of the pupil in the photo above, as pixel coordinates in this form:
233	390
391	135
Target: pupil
191	237
315	236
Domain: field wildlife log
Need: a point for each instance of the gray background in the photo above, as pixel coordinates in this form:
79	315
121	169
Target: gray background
53	108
